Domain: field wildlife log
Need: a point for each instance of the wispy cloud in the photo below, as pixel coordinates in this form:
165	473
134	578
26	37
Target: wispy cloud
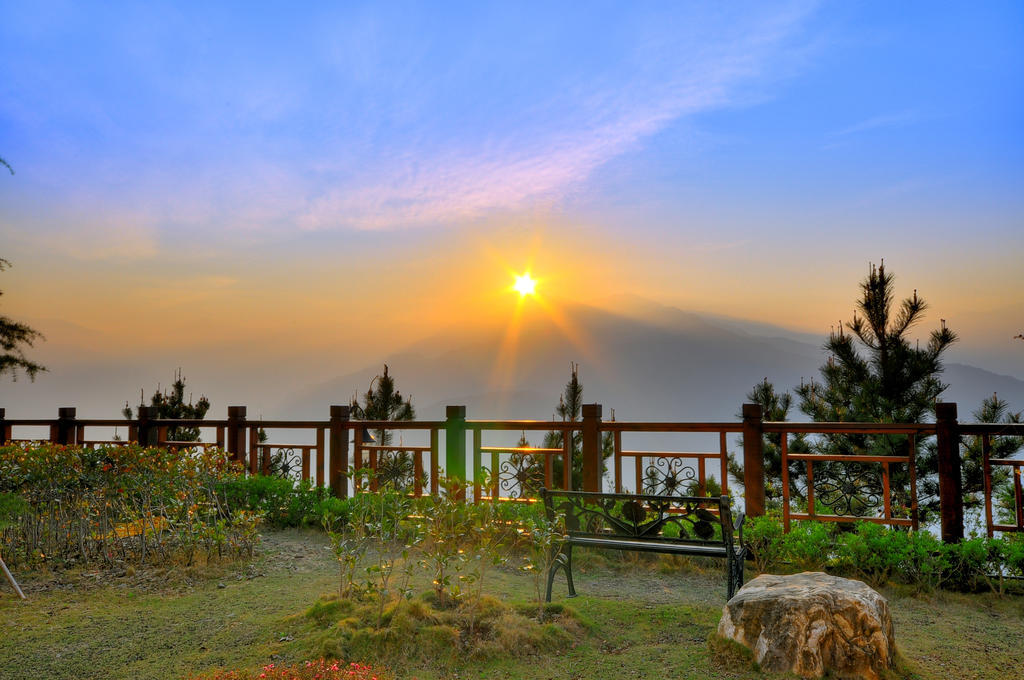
368	119
881	121
511	169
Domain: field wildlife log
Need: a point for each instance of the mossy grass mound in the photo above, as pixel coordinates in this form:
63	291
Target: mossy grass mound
408	633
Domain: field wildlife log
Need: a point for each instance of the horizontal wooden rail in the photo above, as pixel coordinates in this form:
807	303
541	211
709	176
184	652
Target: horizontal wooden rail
654	427
844	458
519	449
670	454
528	425
897	521
848	428
994	429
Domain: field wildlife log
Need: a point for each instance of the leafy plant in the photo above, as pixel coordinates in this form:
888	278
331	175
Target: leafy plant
544	537
763	538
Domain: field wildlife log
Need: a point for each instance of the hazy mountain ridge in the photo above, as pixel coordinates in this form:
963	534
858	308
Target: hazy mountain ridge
648	362
645	360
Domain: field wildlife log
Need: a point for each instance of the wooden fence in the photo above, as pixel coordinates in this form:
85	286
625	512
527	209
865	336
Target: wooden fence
348	458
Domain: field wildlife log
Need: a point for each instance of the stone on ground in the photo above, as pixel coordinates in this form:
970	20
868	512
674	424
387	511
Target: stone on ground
811	623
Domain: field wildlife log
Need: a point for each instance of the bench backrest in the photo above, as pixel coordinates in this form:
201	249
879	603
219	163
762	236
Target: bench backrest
673	519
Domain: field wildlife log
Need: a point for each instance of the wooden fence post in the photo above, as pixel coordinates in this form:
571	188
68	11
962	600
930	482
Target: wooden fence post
5	429
591	448
236	434
145	430
339	451
951	499
753	460
64	431
455	446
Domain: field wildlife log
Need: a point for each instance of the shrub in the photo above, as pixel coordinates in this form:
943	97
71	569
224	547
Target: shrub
872	552
120	504
282	502
877	554
763	537
809	544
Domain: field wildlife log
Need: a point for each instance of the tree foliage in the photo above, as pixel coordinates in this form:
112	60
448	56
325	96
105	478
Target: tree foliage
569	410
875	372
383	401
992	410
172	405
775	406
15	337
894	380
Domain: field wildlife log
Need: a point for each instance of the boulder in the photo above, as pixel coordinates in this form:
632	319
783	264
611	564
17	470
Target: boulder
812	623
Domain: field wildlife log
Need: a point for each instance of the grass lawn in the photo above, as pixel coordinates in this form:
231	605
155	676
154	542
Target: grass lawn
644	622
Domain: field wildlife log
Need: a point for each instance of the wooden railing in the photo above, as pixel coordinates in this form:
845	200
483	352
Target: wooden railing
667	472
987	432
499	471
850	481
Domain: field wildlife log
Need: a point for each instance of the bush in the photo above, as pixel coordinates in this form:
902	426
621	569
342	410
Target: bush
119	504
872	552
877	554
763	537
282	502
809	544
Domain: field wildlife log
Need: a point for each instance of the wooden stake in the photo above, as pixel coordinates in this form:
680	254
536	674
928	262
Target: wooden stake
10	577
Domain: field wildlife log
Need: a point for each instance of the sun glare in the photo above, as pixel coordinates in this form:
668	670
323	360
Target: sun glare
525	285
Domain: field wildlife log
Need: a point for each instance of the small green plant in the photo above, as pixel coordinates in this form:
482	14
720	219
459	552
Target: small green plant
446	520
491	538
544	537
763	537
808	545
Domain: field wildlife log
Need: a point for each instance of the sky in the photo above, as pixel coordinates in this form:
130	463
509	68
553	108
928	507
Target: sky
331	181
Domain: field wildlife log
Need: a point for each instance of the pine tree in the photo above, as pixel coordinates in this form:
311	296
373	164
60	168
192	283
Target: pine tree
774	407
172	405
569	410
992	410
893	381
385	402
896	381
14	338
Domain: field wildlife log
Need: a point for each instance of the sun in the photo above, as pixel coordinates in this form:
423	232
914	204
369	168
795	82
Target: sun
525	285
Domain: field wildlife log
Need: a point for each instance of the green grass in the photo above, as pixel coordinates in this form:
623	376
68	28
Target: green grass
641	622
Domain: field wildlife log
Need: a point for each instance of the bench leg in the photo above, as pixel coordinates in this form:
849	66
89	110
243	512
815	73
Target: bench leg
563	560
735	573
568	570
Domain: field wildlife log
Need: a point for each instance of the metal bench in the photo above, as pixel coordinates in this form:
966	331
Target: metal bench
676	525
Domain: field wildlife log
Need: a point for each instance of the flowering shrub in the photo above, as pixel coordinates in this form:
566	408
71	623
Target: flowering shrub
120	504
311	670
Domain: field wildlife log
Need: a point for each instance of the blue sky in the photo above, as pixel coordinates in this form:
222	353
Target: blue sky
715	147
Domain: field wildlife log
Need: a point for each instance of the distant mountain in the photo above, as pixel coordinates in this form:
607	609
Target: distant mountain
646	361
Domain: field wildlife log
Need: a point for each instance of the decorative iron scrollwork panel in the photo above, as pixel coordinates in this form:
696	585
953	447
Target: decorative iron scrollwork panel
521	475
847	488
669	477
285	462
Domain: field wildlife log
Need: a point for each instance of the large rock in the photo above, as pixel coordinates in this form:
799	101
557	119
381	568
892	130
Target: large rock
811	623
